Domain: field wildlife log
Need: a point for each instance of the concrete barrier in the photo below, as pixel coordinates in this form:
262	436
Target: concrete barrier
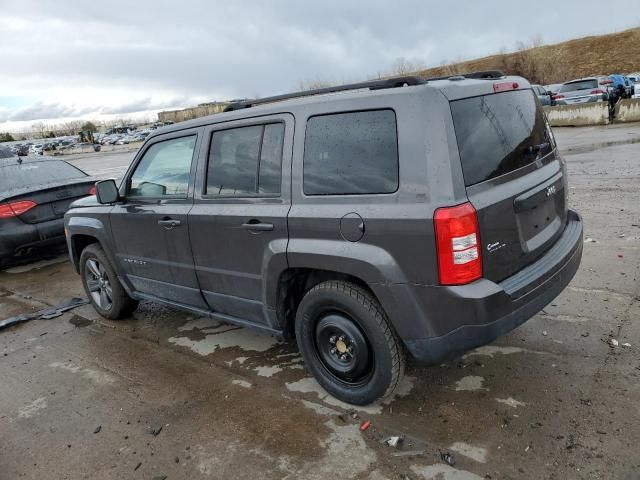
627	110
578	115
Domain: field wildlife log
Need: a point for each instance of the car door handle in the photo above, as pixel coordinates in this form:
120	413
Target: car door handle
258	226
169	223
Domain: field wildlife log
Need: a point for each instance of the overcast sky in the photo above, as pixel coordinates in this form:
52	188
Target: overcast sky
78	58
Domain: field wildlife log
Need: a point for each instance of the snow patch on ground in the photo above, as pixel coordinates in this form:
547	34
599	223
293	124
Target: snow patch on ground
31	409
474	453
441	471
470	384
512	402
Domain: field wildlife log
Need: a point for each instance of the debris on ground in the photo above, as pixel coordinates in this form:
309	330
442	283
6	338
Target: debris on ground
626	344
364	425
613	342
447	458
45	314
155	431
160	477
137	466
590	240
392	441
585	334
97	429
544	333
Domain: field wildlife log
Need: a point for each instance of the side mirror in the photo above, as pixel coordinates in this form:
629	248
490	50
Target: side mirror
107	192
550	93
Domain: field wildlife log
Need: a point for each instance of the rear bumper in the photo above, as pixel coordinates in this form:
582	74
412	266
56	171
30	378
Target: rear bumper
467	316
19	239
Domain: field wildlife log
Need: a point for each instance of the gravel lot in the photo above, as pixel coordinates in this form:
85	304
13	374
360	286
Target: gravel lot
82	397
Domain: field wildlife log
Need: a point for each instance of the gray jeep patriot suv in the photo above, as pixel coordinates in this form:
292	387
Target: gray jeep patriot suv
419	215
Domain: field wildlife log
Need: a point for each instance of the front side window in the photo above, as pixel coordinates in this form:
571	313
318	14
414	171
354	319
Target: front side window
351	153
165	169
246	161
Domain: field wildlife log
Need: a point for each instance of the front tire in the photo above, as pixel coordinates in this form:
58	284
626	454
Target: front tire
102	286
348	343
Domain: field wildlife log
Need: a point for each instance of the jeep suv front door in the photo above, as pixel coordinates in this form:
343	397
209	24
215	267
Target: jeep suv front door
150	229
238	225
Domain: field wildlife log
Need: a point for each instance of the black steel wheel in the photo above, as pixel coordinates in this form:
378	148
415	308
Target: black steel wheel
348	343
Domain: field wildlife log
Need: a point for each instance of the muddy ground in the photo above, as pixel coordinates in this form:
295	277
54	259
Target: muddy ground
167	394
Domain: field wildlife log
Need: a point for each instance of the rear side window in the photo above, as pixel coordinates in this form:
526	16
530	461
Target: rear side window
351	153
29	174
498	133
246	161
581	85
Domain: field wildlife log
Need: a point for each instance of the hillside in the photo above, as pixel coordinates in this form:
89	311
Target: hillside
581	57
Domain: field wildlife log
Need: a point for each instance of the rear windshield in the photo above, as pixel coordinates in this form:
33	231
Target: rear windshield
581	85
498	133
22	175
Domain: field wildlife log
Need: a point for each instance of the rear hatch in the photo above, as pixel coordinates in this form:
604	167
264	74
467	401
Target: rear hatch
579	91
513	177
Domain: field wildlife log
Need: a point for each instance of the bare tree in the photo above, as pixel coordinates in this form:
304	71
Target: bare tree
314	84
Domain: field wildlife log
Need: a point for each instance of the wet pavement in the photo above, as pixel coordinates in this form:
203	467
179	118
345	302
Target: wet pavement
168	394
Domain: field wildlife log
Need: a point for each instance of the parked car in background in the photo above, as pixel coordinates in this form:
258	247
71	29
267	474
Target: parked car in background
623	85
37	149
583	90
35	193
359	230
553	87
543	95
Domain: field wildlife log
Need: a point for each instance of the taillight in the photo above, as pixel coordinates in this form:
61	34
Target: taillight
558	97
92	190
13	209
458	244
596	91
505	86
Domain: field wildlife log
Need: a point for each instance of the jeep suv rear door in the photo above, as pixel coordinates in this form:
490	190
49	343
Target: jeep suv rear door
238	225
150	229
513	175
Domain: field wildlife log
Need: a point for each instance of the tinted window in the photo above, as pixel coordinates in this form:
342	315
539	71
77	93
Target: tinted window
351	153
581	85
26	174
165	169
246	160
498	133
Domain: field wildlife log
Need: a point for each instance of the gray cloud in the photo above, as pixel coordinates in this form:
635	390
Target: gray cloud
219	50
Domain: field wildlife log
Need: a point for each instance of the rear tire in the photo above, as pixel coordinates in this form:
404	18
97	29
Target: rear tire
102	286
348	343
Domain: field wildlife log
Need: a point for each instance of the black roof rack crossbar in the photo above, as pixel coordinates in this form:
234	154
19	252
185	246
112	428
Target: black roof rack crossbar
482	75
371	85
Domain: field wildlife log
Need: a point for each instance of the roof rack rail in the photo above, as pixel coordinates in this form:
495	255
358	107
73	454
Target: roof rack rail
393	82
483	75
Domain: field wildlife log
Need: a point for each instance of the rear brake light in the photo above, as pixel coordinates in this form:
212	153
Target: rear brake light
504	86
596	91
558	97
13	209
458	244
92	190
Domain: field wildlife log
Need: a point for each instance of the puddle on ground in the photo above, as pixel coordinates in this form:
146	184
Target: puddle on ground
80	322
220	335
491	350
310	385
